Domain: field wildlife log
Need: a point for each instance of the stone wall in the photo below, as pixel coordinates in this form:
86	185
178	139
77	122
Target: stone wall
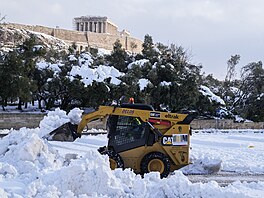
18	120
225	124
83	39
112	29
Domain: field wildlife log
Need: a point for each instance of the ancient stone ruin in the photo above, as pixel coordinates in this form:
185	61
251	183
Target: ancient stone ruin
89	32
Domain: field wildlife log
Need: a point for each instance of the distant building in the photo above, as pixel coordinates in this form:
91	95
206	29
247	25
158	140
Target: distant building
89	32
97	24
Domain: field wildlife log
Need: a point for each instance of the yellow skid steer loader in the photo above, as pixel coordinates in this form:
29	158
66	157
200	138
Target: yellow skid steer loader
138	137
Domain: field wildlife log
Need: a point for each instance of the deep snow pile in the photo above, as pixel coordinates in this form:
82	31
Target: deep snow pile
24	158
92	176
55	119
33	167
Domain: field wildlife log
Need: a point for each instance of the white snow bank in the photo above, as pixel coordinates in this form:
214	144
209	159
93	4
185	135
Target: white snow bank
33	167
55	119
3	194
92	177
240	152
75	115
25	155
203	165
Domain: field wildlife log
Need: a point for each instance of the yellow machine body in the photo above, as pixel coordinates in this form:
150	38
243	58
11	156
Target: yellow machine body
163	142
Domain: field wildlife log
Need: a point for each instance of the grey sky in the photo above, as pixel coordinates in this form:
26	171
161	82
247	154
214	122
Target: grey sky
212	30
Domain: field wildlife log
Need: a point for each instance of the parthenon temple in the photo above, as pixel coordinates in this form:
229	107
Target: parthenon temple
97	24
89	32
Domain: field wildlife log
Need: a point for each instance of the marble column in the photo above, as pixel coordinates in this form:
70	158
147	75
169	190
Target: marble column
95	27
104	27
86	26
82	26
90	26
100	27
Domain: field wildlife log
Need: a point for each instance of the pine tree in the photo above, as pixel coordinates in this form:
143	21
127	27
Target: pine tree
149	51
118	57
10	67
29	52
251	100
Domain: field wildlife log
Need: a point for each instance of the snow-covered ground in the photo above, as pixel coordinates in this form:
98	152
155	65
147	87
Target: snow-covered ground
33	167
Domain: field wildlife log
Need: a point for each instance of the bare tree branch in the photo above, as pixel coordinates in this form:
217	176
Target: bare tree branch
2	18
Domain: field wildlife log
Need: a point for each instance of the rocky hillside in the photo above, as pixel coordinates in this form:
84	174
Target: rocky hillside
10	37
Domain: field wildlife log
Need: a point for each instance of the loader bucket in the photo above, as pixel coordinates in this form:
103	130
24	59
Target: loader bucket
65	133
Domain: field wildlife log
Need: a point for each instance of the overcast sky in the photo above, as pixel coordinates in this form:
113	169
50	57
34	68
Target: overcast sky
211	30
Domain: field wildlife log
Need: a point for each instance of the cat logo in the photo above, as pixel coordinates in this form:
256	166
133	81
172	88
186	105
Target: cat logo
167	140
175	140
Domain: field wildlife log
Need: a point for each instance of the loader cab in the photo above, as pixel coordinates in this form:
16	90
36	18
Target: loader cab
128	132
125	133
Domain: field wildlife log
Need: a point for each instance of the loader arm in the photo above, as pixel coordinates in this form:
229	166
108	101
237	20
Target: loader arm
101	113
162	120
145	115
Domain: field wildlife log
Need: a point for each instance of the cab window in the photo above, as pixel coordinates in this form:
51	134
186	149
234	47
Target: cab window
129	129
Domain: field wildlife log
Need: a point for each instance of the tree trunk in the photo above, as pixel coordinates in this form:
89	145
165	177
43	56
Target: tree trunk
65	104
39	104
19	104
5	102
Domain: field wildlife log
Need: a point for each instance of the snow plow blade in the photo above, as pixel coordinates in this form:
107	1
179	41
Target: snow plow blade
65	133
